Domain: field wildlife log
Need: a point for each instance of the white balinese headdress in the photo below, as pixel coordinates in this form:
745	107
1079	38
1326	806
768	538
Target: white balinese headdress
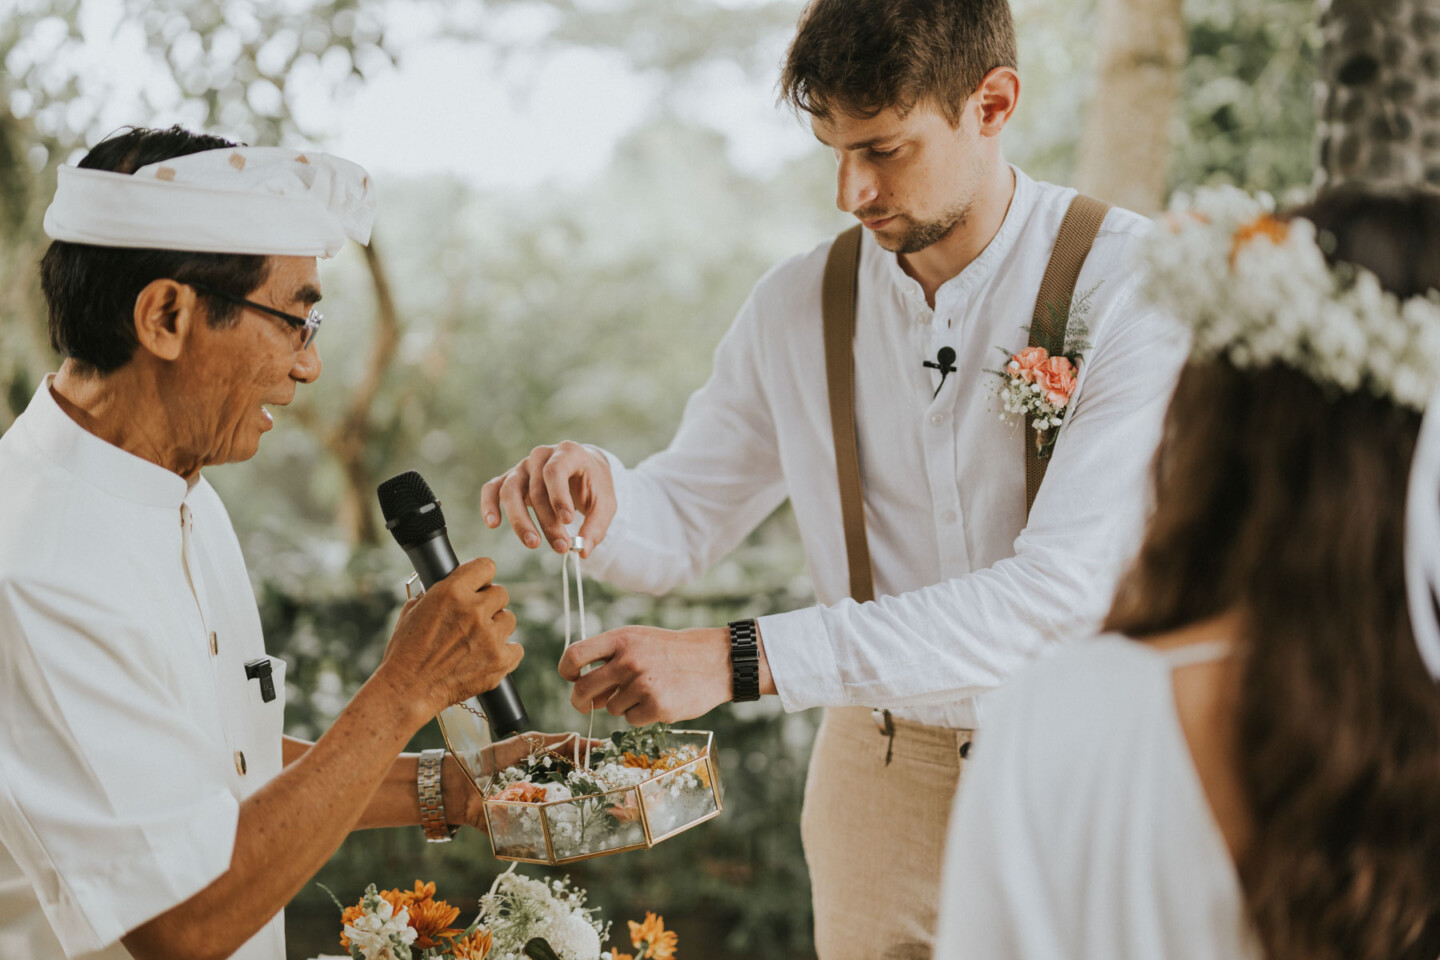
251	200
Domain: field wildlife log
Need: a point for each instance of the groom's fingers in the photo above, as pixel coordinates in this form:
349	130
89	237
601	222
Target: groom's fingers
539	499
588	651
512	499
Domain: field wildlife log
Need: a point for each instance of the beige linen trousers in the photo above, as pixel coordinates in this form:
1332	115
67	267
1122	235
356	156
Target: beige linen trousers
874	833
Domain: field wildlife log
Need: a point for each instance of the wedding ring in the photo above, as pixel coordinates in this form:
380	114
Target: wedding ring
413	577
578	544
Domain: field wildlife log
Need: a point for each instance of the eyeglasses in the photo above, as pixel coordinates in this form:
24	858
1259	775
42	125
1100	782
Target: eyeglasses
309	325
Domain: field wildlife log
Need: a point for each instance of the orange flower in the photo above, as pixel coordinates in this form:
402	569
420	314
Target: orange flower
637	760
621	955
658	943
1023	364
431	921
349	916
473	947
1264	226
403	898
627	811
524	792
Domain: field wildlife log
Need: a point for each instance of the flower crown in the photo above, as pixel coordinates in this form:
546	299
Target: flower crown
1258	291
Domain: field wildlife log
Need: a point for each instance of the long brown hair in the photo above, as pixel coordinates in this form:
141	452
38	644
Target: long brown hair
1284	501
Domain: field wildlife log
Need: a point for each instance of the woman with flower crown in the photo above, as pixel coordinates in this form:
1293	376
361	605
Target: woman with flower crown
1259	773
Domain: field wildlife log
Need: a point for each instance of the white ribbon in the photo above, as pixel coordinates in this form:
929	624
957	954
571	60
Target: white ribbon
1422	539
576	546
244	200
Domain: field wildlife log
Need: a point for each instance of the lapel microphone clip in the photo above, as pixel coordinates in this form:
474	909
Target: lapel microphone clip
946	366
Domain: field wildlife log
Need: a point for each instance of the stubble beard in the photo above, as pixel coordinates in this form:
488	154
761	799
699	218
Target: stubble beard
916	235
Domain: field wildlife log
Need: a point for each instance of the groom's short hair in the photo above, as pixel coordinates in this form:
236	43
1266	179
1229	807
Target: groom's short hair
863	56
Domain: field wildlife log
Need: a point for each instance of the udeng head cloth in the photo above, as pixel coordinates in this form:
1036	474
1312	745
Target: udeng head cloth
246	200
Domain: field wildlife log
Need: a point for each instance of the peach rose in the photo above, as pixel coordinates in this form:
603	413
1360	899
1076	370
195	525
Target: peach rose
627	812
1023	364
1056	377
524	791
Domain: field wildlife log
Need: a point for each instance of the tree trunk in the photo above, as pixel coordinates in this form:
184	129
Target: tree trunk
1125	148
1379	92
348	440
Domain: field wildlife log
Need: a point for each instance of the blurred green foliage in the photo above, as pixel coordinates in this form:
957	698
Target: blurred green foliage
589	313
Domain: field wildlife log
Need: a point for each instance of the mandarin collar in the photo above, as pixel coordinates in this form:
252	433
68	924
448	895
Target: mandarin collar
98	462
979	270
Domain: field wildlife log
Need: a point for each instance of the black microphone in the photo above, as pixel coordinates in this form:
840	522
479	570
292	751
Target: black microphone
413	515
946	366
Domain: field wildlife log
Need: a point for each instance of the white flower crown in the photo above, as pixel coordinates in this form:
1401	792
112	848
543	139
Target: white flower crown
1258	291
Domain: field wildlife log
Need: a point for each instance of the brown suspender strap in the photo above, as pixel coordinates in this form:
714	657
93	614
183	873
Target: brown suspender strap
837	299
837	306
1052	308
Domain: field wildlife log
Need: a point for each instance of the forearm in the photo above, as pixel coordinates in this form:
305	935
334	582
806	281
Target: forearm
938	644
397	800
289	828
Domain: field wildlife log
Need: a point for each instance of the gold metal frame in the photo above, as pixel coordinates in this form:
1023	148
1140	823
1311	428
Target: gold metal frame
717	792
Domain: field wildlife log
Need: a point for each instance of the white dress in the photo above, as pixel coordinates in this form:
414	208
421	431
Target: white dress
1081	830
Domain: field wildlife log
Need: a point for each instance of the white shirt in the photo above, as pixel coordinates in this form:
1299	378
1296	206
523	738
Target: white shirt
120	730
967	592
1089	839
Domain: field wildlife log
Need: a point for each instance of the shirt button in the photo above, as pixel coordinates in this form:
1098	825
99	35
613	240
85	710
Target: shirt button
937	418
950	516
240	762
214	644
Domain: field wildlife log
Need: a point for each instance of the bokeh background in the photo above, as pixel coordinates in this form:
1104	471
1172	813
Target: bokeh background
576	197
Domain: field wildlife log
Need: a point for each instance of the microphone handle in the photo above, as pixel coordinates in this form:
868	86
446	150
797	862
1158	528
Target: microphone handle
433	560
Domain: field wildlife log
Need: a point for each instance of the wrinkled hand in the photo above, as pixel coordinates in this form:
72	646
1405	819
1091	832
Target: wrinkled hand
451	642
651	674
555	482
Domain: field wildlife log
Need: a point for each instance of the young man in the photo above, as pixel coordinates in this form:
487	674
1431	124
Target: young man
148	806
912	99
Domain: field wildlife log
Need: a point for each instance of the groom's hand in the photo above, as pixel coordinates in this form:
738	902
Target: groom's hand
555	482
651	674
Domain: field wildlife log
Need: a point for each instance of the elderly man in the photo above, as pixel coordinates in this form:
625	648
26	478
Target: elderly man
147	805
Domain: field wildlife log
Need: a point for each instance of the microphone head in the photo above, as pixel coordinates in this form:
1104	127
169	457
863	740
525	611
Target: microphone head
946	356
411	511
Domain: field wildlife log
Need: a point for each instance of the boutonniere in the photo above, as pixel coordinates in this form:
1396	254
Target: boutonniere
1038	383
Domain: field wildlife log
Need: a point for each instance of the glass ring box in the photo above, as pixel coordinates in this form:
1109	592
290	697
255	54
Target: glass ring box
561	804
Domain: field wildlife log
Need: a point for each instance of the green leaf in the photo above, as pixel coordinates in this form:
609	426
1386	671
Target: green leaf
538	948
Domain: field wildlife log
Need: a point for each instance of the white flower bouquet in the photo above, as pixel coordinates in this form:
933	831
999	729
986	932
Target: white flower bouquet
520	918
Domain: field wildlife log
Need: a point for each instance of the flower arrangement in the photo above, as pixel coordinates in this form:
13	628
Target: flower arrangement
636	789
1258	291
520	917
1037	383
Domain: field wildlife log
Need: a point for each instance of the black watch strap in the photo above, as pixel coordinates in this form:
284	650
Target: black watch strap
744	661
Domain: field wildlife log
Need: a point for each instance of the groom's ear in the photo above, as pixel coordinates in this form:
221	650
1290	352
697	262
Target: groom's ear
997	96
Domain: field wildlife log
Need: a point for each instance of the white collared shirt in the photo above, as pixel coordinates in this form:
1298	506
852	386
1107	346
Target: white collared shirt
967	591
122	723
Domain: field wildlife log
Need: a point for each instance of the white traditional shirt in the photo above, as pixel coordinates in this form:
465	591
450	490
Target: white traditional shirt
129	733
966	591
1081	830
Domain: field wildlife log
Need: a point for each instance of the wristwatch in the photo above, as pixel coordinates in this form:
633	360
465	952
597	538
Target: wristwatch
744	661
432	799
